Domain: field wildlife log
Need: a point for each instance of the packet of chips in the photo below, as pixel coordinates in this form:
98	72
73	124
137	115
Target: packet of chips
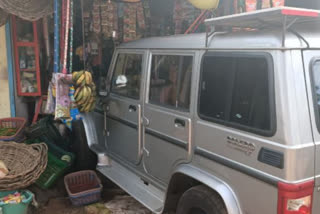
3	170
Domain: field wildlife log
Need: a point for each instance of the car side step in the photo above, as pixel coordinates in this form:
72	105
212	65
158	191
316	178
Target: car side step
148	195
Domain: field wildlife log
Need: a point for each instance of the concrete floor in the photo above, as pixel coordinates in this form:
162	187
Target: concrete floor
114	201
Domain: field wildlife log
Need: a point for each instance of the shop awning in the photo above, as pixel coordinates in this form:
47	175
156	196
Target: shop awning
30	10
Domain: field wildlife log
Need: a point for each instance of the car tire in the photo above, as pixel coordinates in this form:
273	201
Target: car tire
201	200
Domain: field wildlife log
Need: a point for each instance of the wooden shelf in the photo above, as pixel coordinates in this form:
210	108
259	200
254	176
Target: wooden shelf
23	82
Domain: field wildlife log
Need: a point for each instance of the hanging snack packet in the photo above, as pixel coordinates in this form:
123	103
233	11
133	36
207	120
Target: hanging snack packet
277	3
251	5
63	82
50	104
3	170
265	4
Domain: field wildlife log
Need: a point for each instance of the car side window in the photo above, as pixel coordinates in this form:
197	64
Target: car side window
235	91
127	75
170	81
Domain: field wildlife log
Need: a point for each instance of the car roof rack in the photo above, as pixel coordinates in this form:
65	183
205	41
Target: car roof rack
278	16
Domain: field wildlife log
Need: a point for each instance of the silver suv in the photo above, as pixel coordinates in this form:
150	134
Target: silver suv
217	123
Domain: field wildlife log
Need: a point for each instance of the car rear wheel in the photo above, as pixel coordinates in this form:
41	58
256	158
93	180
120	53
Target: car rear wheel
201	200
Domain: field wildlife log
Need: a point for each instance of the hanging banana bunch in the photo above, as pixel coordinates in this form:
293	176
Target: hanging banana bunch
85	91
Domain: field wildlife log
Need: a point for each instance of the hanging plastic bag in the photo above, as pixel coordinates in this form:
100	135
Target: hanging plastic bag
50	104
63	82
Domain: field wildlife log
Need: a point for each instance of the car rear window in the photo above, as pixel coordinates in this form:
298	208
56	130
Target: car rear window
316	89
237	90
170	81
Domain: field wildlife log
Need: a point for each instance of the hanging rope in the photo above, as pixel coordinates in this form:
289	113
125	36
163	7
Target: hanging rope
62	28
64	64
56	36
71	36
30	10
83	38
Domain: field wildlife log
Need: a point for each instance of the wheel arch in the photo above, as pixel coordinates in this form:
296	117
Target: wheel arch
186	176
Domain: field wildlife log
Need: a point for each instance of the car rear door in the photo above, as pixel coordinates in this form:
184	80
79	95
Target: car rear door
167	112
312	73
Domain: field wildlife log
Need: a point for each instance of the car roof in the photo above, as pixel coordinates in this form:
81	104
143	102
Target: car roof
267	38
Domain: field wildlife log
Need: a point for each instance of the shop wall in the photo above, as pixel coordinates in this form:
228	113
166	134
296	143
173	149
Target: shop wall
4	83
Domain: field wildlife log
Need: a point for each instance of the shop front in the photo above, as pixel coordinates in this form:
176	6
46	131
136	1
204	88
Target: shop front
54	59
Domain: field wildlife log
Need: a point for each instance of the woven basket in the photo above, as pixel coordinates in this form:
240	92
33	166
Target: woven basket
25	163
14	122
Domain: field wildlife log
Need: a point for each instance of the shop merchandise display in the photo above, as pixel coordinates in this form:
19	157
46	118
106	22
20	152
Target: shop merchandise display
106	16
184	15
241	6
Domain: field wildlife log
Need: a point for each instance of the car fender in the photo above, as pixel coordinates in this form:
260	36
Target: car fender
224	190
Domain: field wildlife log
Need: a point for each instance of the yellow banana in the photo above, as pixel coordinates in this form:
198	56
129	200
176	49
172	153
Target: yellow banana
85	92
80	103
82	97
88	77
93	106
89	91
79	95
93	87
87	107
74	75
80	80
81	109
76	93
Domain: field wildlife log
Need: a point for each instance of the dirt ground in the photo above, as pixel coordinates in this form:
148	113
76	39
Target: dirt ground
114	201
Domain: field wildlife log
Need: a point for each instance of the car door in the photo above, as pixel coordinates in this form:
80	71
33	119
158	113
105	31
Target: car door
167	117
312	72
125	106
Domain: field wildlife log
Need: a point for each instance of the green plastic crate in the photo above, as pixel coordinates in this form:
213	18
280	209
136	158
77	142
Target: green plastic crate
21	208
55	169
45	130
59	162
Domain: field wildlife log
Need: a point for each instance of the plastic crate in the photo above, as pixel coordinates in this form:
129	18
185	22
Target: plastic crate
21	208
45	130
17	123
83	187
59	162
55	169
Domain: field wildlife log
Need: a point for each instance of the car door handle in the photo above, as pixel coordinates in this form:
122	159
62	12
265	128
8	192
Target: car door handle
179	123
132	108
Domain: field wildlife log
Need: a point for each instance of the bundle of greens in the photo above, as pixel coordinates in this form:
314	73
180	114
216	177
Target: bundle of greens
8	131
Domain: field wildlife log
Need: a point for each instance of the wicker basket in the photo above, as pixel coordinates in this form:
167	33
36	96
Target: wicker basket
14	122
83	187
25	163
